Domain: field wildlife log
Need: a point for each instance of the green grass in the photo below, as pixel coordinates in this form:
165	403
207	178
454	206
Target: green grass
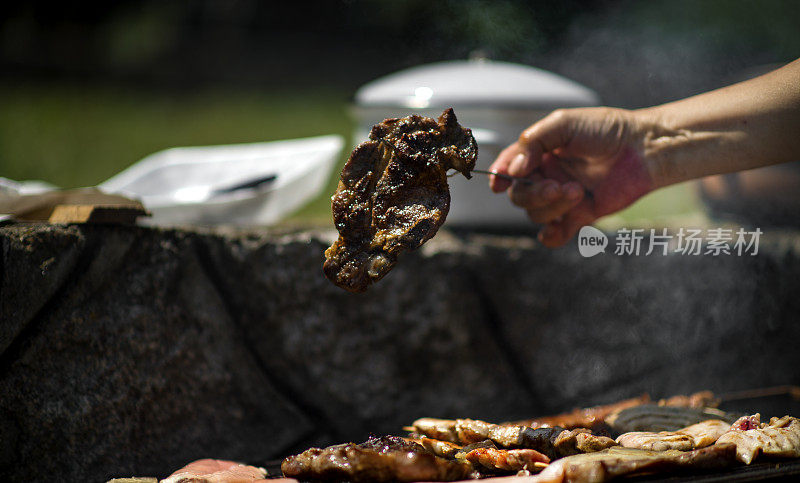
75	136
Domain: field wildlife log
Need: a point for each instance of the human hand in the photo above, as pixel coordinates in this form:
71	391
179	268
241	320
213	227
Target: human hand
585	163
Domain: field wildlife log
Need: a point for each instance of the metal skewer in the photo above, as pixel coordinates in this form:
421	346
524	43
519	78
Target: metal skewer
499	175
479	171
504	176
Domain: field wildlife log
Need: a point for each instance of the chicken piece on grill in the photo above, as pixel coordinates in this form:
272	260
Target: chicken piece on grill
705	433
781	438
618	461
661	441
696	436
388	458
393	194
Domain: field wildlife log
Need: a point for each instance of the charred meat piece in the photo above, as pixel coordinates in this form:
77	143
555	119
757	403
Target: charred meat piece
393	195
781	438
474	430
387	458
617	461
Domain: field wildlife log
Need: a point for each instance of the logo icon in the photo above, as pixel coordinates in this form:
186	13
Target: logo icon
591	241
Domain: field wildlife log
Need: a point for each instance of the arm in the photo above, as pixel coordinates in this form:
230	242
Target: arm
591	162
747	125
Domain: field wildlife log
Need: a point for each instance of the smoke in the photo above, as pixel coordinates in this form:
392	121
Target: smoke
639	54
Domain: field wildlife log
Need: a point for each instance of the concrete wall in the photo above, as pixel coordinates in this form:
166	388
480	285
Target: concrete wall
127	350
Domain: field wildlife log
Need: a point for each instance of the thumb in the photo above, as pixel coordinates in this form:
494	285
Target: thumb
547	135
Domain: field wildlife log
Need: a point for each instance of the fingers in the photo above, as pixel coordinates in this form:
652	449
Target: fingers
500	165
560	231
523	157
546	200
551	133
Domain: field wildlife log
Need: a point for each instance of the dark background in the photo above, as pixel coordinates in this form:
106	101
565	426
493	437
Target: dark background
666	48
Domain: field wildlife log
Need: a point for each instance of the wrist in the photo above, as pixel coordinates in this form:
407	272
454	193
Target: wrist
674	151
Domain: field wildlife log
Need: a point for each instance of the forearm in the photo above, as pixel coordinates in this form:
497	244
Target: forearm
747	125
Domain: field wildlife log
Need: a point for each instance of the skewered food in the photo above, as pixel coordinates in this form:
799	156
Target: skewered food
393	194
506	459
781	437
445	449
591	418
553	442
576	441
388	458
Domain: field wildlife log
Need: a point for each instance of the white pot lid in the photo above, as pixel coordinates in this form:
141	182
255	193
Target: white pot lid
475	83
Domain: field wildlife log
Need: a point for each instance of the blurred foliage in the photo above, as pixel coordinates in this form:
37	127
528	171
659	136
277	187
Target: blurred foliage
75	136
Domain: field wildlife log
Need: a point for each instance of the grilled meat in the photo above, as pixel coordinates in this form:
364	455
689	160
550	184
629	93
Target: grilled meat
705	433
442	429
781	438
506	459
576	441
552	442
617	461
445	449
591	418
695	436
393	194
545	440
702	399
649	417
469	431
387	458
661	441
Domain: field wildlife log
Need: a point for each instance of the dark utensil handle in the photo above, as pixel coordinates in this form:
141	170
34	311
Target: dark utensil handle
253	183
